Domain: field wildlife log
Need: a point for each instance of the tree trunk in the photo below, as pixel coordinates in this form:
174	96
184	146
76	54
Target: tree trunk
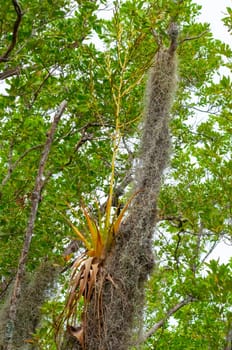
115	313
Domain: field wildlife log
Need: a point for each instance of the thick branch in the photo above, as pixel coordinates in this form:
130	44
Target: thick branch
30	228
19	12
173	35
228	345
161	323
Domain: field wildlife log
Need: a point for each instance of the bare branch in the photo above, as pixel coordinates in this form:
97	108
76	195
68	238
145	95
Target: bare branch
215	243
193	37
10	73
4	287
176	254
207	111
12	167
16	294
19	12
161	323
37	92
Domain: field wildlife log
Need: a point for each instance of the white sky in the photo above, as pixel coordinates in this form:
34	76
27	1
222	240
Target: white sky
212	12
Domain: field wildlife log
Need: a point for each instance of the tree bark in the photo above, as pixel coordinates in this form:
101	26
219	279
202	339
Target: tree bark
36	195
114	315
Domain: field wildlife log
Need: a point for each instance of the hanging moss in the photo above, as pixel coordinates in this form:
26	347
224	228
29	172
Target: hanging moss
112	320
35	289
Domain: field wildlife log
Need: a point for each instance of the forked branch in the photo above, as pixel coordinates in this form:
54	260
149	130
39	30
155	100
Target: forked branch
36	195
9	73
161	323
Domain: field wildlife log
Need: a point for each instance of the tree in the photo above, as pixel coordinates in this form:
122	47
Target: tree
68	109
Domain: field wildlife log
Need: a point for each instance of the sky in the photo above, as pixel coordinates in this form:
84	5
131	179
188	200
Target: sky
212	12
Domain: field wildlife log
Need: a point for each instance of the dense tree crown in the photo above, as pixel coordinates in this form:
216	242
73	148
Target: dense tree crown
73	77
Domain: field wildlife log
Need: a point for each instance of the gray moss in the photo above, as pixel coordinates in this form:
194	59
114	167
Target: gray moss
35	289
113	317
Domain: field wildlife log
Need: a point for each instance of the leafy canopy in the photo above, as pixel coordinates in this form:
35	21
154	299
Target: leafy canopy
56	57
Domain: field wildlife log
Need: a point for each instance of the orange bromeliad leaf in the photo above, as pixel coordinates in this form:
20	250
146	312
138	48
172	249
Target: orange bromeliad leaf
85	276
78	262
78	333
77	232
108	211
94	232
67	257
92	279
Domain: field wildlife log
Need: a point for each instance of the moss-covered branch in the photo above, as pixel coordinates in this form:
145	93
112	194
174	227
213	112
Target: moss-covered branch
112	317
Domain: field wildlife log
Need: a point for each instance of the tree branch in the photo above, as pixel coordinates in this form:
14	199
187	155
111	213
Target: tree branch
215	243
173	35
37	92
10	73
193	37
16	293
4	286
19	12
12	167
161	323
228	345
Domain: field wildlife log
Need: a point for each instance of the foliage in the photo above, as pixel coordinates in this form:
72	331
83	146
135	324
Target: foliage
56	57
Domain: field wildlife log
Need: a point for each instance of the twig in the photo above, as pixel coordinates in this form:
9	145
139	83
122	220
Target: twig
202	111
15	164
209	252
10	73
19	12
198	246
193	37
15	71
37	92
161	323
5	285
84	138
35	199
176	255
